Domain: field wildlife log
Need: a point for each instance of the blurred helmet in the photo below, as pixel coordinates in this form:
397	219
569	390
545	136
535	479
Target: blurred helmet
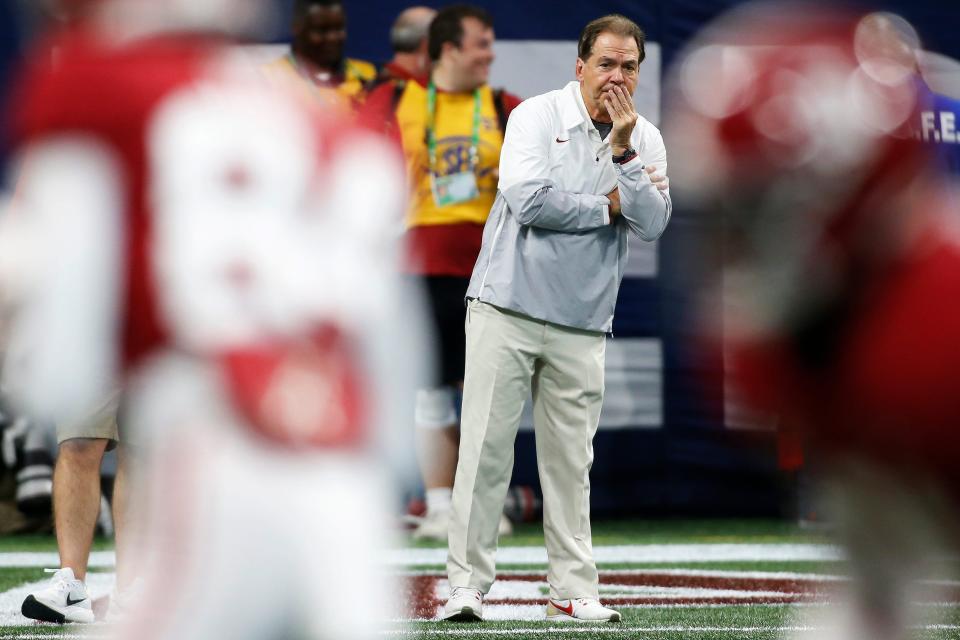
234	17
783	120
771	90
67	10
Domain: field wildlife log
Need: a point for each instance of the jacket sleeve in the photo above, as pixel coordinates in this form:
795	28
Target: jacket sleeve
532	197
644	208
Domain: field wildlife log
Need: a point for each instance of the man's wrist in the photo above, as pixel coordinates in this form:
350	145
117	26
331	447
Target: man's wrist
625	155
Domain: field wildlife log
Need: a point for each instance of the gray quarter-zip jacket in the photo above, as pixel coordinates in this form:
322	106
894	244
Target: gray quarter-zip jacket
549	251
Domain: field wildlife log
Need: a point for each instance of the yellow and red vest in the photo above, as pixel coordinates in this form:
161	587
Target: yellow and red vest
357	74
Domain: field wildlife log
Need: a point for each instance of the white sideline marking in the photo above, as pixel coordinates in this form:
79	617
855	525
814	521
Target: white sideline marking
705	573
727	573
652	553
619	628
535	613
52	559
513	590
57	636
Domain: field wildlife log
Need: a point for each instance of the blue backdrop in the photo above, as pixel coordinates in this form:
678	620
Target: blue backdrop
693	464
669	22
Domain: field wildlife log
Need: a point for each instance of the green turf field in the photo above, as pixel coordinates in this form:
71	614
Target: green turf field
671	579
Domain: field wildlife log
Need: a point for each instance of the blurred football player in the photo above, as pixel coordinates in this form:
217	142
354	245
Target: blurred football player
840	272
214	244
49	129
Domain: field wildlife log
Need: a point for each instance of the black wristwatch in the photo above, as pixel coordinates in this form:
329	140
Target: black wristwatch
626	156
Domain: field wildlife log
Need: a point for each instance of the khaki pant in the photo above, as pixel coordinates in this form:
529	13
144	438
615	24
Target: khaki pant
102	424
508	357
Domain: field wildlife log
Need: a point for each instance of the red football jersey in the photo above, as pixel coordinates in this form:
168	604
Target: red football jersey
877	373
243	225
87	87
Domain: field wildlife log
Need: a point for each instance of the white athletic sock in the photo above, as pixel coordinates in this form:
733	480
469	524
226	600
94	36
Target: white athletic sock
439	499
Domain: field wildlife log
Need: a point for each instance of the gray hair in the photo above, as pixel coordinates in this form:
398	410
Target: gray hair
617	25
410	29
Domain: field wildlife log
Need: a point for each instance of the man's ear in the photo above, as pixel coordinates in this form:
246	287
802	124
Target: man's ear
446	47
578	70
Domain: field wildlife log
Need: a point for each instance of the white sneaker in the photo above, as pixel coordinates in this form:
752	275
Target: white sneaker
464	605
580	610
505	527
64	600
434	526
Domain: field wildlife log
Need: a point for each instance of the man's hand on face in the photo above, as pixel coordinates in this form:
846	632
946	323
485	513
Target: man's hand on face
620	107
614	197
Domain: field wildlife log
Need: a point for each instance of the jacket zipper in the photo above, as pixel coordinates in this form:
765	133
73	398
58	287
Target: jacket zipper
596	184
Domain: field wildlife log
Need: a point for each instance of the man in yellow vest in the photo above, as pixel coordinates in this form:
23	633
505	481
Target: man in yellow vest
451	131
316	62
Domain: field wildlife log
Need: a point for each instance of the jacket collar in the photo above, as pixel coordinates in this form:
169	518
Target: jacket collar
573	112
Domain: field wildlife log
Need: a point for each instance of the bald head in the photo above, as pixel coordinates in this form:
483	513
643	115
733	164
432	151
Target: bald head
410	28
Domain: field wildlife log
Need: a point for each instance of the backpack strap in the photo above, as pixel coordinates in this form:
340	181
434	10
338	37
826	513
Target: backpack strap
501	109
399	87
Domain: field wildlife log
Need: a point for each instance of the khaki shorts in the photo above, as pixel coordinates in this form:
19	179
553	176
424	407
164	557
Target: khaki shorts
102	424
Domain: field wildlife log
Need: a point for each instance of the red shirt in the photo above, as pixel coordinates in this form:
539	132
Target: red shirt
391	71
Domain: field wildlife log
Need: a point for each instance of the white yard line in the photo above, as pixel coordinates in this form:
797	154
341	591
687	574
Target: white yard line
618	628
705	573
59	636
535	613
517	592
52	559
726	573
651	553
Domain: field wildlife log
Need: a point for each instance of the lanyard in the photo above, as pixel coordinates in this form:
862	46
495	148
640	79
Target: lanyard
431	125
315	86
303	72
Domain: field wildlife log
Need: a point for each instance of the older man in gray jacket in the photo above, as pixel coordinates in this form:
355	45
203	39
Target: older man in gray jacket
579	169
